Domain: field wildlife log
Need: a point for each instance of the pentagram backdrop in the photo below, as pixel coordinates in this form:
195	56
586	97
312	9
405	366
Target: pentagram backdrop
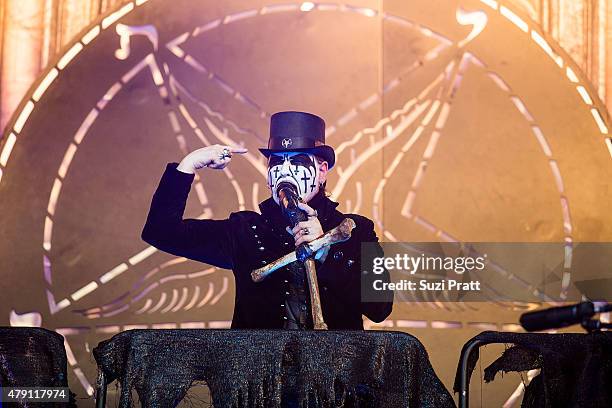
451	120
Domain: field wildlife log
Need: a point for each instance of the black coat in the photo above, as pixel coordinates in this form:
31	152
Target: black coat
248	240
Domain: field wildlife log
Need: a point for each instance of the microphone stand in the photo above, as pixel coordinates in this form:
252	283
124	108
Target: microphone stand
288	200
595	325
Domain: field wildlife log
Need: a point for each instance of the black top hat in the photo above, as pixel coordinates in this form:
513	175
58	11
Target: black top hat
298	132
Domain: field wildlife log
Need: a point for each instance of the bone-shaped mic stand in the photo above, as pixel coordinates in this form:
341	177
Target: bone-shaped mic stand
288	199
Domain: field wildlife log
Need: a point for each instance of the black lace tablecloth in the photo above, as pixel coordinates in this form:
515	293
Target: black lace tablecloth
576	369
273	368
33	357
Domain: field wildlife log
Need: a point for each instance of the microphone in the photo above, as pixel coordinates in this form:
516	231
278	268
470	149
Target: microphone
288	199
558	317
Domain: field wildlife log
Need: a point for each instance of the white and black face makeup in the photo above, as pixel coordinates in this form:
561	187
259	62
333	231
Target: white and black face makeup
299	169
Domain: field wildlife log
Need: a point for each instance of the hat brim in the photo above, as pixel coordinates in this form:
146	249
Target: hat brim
325	152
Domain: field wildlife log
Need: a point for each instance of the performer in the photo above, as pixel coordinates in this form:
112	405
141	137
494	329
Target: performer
247	240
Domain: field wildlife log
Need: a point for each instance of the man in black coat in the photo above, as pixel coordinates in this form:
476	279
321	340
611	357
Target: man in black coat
247	240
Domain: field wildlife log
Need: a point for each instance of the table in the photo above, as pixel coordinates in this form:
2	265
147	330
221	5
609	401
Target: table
271	368
576	368
33	357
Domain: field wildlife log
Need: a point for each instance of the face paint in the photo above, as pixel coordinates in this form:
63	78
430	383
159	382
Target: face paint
299	169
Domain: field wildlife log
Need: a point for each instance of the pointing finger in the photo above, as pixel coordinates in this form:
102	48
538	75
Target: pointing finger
238	149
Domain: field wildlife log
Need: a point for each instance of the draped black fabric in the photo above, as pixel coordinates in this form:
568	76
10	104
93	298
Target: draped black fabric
576	369
33	357
261	368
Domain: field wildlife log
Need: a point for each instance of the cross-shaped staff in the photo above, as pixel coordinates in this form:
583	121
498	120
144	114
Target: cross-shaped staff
304	253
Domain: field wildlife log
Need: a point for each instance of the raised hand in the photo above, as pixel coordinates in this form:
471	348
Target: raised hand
309	230
215	157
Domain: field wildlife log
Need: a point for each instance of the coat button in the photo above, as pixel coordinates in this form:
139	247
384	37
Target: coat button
303	307
325	288
338	255
256	236
254	226
350	262
263	262
261	248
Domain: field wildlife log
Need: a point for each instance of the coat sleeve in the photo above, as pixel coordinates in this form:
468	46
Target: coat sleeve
375	311
208	241
346	282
